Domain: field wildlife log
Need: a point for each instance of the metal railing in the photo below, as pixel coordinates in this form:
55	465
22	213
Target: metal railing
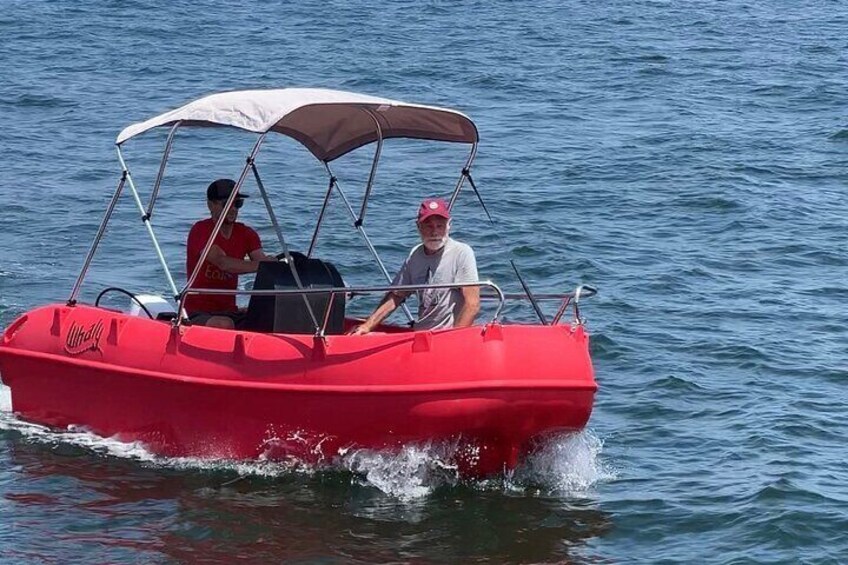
581	291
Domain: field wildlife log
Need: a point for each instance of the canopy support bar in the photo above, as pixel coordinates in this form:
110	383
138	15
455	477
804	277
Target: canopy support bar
362	232
161	173
72	300
270	209
282	240
377	153
541	315
321	215
146	220
215	230
193	276
465	171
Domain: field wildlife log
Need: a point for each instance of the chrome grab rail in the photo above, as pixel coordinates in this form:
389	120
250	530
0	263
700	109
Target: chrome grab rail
407	288
582	291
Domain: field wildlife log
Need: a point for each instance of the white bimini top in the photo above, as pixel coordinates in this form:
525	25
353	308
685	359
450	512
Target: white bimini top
330	123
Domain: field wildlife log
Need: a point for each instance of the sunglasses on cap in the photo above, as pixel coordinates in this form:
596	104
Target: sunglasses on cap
237	203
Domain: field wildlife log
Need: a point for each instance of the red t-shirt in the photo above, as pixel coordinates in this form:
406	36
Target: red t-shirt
242	241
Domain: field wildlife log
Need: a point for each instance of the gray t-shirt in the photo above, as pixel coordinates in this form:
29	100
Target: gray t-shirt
454	263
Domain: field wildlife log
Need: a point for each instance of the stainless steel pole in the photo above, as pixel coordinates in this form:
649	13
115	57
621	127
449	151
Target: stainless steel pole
72	300
270	209
321	215
462	175
371	248
161	172
220	221
146	220
289	259
371	176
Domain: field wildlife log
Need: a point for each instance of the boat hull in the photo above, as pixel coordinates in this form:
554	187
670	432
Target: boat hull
208	393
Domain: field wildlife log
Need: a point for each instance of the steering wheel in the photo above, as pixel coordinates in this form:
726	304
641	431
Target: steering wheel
122	291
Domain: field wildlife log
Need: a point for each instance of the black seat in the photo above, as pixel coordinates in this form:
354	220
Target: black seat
288	313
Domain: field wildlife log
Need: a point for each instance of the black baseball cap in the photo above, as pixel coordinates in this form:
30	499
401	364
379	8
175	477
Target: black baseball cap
221	190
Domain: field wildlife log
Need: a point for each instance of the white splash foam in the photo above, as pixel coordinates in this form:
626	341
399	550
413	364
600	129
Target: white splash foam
75	436
565	465
294	446
412	472
82	438
5	398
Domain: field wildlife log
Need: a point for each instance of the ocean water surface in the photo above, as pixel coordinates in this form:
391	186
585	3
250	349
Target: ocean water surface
688	159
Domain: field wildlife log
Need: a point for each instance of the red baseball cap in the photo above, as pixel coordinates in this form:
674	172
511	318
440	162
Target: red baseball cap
433	207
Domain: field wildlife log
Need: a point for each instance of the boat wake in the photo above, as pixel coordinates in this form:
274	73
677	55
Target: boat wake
565	465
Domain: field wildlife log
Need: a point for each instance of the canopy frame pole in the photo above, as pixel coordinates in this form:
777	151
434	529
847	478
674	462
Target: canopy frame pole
319	330
220	222
377	152
215	230
277	229
145	218
359	227
466	170
321	215
168	144
72	299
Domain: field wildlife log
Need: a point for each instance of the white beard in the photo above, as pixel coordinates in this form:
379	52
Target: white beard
433	245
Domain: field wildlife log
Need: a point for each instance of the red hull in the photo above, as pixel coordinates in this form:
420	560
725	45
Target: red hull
224	394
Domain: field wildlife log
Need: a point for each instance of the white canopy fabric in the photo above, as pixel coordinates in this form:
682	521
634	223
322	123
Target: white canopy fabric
329	123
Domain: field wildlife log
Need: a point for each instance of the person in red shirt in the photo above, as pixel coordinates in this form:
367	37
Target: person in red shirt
237	250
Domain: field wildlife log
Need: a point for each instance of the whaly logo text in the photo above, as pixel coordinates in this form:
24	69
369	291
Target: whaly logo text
80	340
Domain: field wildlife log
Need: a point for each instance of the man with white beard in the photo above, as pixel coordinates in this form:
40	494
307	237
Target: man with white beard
438	259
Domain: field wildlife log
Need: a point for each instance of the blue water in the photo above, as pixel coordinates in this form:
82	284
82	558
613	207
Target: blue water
689	159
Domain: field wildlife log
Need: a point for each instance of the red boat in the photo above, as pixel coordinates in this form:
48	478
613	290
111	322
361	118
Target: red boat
292	384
